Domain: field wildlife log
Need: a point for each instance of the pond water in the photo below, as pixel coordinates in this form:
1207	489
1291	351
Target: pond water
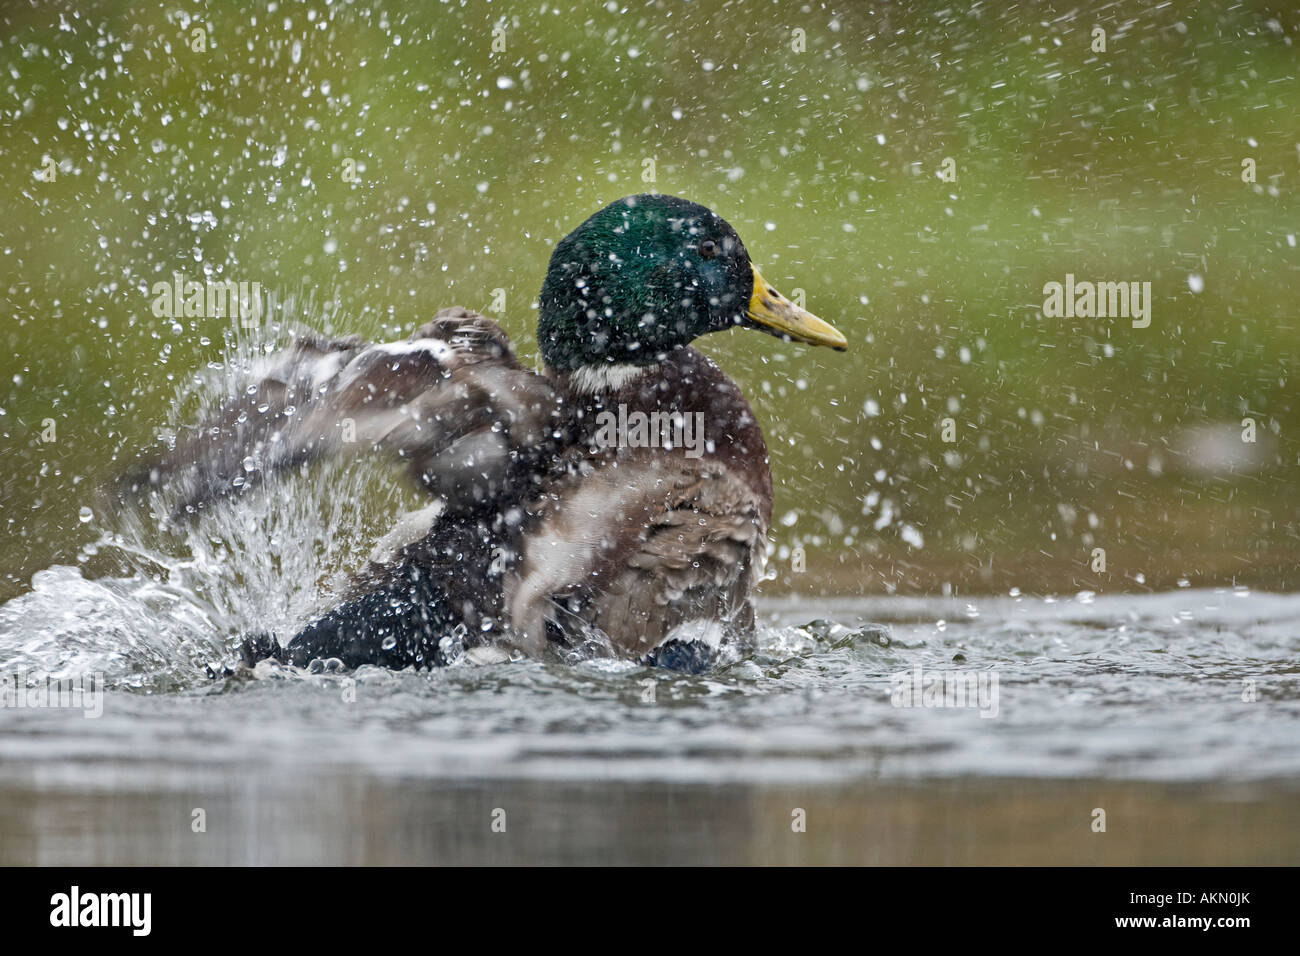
1159	702
921	174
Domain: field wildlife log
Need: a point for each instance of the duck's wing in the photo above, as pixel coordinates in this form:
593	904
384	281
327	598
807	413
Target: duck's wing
451	405
642	552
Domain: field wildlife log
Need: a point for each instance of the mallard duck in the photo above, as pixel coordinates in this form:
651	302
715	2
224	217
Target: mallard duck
621	498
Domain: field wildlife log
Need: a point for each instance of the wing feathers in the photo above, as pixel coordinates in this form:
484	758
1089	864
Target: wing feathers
451	404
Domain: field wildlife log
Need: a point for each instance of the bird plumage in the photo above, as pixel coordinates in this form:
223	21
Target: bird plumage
552	527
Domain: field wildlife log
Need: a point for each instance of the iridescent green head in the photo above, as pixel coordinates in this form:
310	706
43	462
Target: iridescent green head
650	273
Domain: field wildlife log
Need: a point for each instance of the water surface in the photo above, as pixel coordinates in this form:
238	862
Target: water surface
1133	703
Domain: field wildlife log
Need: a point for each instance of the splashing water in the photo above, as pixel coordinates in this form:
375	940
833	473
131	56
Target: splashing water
155	599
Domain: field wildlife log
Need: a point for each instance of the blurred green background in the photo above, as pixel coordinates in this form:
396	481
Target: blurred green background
819	132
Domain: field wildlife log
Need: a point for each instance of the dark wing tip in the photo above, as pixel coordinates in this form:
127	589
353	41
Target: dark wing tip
460	326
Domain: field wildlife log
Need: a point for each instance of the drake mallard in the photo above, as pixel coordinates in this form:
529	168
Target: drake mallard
621	498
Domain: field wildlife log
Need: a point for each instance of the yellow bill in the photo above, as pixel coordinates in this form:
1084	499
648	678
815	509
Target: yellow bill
771	312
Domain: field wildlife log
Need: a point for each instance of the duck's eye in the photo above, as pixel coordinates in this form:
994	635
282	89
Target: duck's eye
708	249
